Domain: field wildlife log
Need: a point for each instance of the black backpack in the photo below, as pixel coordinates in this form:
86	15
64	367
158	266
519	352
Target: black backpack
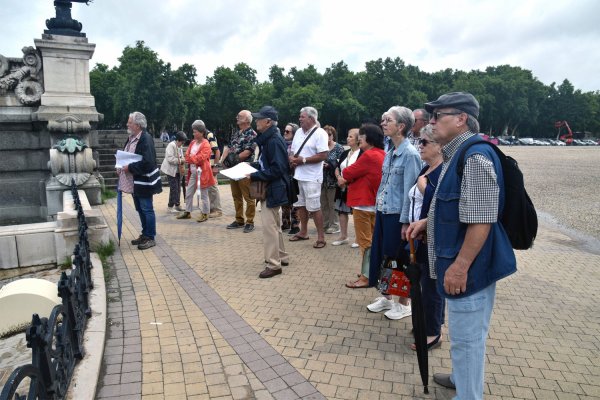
519	218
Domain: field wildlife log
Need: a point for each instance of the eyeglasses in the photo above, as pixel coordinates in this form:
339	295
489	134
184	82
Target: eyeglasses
437	114
425	142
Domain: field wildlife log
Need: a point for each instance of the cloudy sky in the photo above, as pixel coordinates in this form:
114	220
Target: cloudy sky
554	39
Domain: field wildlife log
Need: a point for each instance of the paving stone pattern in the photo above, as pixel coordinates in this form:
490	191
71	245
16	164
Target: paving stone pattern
191	319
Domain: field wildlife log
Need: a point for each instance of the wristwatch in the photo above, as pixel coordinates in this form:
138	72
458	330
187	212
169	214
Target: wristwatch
303	160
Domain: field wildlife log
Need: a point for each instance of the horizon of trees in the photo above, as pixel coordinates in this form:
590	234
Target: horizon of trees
512	100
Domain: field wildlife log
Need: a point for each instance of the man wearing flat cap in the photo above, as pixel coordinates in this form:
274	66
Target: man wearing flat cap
468	248
273	168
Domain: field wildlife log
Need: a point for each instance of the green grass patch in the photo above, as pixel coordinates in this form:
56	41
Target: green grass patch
108	194
67	264
105	251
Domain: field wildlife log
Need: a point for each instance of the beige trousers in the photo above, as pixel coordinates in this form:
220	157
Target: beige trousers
272	237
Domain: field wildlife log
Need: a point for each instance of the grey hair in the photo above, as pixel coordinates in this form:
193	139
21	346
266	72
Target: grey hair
402	115
472	124
311	112
424	113
427	131
294	127
199	126
139	119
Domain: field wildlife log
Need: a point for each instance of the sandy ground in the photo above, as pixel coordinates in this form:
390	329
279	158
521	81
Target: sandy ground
563	183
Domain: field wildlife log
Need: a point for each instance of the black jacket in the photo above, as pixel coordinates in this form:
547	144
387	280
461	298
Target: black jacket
146	175
273	166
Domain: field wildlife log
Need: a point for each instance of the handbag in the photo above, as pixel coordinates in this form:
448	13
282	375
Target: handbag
392	279
258	190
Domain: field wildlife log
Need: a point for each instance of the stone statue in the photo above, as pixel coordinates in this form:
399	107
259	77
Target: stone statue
63	23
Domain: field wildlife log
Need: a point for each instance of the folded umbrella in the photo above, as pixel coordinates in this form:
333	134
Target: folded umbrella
413	273
119	214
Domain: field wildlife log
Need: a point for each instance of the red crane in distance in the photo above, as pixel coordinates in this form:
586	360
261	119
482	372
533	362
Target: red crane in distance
567	137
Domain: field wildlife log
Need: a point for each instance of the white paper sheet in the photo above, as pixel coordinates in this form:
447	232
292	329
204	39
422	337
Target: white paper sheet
124	158
239	171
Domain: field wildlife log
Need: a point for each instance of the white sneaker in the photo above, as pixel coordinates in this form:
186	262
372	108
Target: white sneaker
173	210
332	230
398	311
354	245
340	242
380	304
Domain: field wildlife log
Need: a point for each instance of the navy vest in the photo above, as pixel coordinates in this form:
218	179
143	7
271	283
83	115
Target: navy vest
496	259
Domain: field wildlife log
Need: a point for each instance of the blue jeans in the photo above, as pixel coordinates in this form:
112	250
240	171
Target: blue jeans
145	208
468	322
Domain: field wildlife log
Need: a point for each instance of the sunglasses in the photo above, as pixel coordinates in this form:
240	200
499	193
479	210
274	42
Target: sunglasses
288	131
425	142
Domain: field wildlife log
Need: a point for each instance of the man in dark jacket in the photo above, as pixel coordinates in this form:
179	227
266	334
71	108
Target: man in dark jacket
273	168
141	178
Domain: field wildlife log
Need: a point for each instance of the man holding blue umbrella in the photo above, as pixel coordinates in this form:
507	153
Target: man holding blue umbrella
141	178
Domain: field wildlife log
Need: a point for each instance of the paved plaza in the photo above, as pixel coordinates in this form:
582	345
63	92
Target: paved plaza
190	318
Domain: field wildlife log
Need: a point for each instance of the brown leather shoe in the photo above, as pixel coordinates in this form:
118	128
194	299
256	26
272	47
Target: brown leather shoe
268	273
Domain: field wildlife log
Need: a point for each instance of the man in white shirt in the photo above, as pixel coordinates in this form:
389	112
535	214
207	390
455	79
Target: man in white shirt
311	140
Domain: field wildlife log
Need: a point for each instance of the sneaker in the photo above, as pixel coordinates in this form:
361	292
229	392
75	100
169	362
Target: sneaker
293	231
380	304
340	242
179	208
235	225
172	209
202	218
215	214
354	245
184	215
146	244
248	228
332	230
139	240
398	311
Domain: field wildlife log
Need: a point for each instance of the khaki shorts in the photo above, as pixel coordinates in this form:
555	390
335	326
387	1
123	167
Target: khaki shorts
309	196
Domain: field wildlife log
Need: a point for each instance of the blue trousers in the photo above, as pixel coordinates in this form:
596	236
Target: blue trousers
469	322
145	208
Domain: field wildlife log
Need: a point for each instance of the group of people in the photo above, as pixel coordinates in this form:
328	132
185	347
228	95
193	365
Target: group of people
398	180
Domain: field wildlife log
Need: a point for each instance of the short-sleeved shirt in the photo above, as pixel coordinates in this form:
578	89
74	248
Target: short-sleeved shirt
316	144
242	140
214	145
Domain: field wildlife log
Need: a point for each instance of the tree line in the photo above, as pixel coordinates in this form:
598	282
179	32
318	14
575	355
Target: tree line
512	100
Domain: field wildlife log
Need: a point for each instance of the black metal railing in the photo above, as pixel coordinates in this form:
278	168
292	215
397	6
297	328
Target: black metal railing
56	342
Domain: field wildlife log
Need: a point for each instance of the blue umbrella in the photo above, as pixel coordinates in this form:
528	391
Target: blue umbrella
119	214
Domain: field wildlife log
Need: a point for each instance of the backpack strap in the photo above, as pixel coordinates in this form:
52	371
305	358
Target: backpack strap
461	157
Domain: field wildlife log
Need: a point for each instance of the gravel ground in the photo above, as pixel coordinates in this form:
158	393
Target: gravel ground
563	183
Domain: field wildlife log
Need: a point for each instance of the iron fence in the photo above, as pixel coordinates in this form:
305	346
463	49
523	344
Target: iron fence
56	342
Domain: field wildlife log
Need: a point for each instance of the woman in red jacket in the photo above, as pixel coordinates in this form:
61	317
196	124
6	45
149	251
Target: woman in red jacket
198	157
363	179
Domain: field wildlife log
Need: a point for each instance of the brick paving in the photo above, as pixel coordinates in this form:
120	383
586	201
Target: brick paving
191	319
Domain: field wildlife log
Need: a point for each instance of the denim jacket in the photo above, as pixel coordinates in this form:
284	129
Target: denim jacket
401	168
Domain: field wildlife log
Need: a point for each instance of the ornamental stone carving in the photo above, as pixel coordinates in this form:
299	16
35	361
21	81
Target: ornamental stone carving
23	77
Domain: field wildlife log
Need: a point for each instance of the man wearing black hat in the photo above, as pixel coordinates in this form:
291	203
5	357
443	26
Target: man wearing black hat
468	248
273	168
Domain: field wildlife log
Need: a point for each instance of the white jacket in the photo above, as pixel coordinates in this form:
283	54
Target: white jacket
170	164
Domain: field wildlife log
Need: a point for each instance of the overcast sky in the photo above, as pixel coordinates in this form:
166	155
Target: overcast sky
554	39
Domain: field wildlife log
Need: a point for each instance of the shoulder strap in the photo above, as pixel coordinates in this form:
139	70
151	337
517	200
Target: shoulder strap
306	140
461	160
